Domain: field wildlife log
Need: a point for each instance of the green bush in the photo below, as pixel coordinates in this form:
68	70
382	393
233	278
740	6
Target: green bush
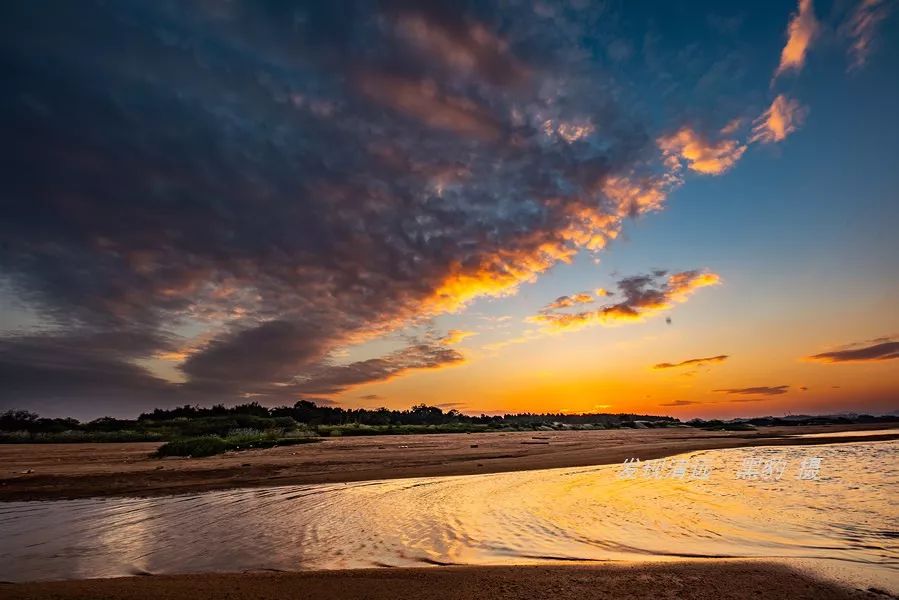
200	446
213	444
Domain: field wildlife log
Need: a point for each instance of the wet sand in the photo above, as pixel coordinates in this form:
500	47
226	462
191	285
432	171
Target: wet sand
700	580
54	471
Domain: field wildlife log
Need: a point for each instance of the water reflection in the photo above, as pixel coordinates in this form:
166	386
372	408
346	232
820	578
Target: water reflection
846	514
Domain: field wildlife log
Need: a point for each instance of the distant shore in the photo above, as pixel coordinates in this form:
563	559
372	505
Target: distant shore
56	471
700	580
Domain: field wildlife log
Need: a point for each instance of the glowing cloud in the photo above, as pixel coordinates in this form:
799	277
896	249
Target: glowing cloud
567	301
644	296
781	119
454	336
699	153
800	33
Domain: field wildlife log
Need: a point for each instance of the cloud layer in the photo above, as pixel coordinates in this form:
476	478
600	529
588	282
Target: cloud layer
245	188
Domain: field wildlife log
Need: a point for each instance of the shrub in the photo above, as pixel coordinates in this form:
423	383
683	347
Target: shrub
213	444
199	446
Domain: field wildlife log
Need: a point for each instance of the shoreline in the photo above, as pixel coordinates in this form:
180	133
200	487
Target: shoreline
702	580
70	471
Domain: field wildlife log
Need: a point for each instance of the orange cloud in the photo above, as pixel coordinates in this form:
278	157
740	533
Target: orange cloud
499	272
800	33
567	301
634	197
781	119
861	29
644	297
700	154
454	336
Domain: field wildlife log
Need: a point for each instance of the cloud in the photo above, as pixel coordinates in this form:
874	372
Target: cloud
700	154
308	178
50	372
252	187
419	355
644	296
801	32
680	403
693	362
454	336
422	100
371	397
568	301
875	350
764	390
274	350
451	405
861	29
782	118
460	43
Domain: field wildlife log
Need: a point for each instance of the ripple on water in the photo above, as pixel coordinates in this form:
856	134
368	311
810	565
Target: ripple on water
847	515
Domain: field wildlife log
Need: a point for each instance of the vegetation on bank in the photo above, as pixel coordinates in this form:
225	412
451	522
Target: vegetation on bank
213	444
198	431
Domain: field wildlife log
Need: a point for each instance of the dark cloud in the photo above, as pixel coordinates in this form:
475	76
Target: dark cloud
273	351
693	362
330	379
680	403
251	186
450	405
55	372
881	349
764	390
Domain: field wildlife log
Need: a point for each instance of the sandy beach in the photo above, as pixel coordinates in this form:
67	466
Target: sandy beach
53	471
701	580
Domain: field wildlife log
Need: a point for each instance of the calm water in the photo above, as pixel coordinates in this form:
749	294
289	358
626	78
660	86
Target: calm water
847	516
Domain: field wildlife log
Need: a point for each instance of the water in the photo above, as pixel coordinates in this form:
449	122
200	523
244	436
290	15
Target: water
847	517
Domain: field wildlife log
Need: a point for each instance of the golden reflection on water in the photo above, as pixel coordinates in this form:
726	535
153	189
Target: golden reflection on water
846	514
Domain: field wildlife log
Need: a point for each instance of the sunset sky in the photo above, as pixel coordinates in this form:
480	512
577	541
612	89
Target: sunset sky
677	208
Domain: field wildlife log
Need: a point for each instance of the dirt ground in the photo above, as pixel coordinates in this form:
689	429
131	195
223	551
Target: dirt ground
706	580
47	471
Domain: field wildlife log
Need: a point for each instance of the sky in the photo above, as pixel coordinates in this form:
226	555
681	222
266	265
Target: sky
678	208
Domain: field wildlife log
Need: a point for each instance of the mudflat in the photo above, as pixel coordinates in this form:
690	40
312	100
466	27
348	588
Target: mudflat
701	580
52	471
